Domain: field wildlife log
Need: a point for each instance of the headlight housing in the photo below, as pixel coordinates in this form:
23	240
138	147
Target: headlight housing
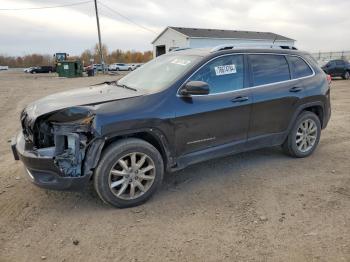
72	115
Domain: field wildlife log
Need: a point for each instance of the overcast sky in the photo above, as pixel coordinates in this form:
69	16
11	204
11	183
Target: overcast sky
315	24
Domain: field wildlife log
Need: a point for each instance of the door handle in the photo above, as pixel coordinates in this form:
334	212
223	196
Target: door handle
239	99
296	89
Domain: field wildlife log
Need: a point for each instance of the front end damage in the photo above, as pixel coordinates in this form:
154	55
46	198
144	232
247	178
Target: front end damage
70	145
59	149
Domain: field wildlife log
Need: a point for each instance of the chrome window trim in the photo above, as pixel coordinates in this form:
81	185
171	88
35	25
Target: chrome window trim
251	87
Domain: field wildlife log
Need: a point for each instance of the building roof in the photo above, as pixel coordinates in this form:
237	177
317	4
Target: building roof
227	34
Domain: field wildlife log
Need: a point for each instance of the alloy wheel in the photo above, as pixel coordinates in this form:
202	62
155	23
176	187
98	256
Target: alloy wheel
306	135
132	176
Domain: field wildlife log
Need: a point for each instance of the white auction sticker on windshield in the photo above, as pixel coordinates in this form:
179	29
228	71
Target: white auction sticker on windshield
182	62
225	70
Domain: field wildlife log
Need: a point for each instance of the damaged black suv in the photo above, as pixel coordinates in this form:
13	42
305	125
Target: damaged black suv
179	109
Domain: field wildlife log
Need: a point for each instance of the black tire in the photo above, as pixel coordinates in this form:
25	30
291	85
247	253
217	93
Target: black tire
109	159
290	145
129	69
346	75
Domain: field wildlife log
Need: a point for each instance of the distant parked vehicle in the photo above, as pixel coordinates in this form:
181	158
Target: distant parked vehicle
42	69
27	70
4	68
339	67
121	67
137	66
98	67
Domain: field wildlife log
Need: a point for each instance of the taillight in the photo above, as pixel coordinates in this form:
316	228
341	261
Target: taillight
329	79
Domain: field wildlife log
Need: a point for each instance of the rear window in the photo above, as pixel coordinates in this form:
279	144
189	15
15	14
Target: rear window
269	69
299	67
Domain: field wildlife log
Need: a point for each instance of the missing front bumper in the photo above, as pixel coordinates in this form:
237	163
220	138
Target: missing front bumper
41	167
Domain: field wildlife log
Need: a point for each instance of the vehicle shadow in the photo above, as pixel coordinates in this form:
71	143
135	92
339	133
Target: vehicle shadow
231	167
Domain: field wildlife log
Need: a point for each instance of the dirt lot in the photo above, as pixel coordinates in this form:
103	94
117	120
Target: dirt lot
256	206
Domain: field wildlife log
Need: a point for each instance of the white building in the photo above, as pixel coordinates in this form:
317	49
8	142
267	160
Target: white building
181	37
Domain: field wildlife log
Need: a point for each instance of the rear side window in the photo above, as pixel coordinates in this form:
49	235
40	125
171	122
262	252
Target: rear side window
267	69
222	74
299	67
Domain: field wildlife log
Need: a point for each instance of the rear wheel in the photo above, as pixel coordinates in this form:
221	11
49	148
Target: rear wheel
346	75
129	173
304	135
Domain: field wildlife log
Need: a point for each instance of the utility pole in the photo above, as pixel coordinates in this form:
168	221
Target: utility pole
99	38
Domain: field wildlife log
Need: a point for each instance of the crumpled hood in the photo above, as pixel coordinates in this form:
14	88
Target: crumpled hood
78	97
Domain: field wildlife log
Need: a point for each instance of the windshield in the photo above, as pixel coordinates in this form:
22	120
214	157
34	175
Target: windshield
159	73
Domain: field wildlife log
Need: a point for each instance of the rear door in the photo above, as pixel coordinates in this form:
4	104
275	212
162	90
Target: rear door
220	117
275	95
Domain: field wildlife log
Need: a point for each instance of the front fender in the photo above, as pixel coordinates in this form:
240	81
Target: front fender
148	134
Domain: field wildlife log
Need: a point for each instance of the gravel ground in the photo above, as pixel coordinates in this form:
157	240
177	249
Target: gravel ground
256	206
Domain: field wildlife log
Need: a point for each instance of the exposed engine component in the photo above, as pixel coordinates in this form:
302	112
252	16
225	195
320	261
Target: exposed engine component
70	145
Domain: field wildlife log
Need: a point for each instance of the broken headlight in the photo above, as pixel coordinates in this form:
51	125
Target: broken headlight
71	130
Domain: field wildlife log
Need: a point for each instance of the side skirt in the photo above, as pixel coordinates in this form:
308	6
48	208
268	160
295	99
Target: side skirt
229	149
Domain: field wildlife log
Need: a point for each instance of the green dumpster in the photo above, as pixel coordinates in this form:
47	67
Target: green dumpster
69	69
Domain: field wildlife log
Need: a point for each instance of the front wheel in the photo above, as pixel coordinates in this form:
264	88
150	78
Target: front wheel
346	75
129	172
304	136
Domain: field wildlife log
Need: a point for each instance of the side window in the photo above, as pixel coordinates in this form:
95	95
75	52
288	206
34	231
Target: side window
299	67
222	74
339	63
330	64
267	69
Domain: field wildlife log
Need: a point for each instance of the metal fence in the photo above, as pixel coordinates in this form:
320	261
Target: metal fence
323	57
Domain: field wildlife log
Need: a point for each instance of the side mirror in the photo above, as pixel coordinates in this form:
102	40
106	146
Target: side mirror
195	88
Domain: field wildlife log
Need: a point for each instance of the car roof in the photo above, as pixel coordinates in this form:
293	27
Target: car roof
335	60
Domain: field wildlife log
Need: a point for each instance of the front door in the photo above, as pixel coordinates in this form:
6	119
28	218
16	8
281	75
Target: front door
220	117
331	68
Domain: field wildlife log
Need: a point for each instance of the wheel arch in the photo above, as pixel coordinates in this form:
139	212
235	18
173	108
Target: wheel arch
317	110
153	136
315	107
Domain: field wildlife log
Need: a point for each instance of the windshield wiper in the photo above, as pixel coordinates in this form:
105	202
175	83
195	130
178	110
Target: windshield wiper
106	83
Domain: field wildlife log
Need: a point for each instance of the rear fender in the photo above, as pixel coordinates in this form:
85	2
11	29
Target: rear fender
300	109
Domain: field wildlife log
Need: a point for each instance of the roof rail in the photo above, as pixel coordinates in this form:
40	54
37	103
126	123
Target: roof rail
180	49
245	46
